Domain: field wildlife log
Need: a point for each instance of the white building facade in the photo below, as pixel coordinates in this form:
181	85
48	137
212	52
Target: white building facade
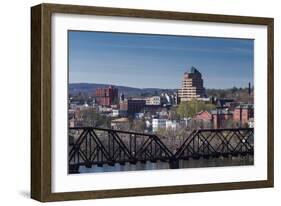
154	100
157	124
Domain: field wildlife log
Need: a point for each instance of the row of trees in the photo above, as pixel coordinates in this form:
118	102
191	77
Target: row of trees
92	118
239	94
185	110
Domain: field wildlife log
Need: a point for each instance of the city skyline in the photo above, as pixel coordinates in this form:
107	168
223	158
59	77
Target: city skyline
158	61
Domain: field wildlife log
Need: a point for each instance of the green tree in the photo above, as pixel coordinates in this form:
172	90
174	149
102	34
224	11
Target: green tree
209	106
190	108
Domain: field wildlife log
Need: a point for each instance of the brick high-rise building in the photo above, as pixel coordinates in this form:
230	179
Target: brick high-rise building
106	96
192	86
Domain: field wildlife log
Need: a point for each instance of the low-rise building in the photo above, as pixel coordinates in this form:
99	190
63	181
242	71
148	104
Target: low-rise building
104	109
119	113
120	124
203	115
242	113
223	102
115	113
139	115
158	123
164	124
214	118
154	100
172	124
132	106
204	118
170	98
220	117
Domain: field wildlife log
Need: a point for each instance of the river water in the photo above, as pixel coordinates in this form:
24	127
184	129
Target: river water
191	163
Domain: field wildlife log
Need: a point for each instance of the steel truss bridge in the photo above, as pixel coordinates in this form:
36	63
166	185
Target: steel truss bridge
90	146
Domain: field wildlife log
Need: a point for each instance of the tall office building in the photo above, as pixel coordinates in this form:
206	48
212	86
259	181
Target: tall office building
192	86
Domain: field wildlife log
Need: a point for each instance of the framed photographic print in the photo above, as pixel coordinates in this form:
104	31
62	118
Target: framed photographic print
130	102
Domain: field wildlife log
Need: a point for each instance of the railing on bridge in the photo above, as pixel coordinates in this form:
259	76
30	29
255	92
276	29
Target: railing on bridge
217	142
90	146
96	146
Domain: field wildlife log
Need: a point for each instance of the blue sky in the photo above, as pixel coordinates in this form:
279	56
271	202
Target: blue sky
158	61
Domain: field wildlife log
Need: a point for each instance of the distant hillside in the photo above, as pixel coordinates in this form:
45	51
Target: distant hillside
89	88
238	94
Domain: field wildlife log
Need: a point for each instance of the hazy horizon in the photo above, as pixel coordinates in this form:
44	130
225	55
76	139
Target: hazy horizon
154	87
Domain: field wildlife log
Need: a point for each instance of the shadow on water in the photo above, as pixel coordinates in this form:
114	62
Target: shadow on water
191	163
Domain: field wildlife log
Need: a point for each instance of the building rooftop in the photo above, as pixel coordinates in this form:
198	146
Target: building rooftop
194	70
202	111
223	101
221	112
245	106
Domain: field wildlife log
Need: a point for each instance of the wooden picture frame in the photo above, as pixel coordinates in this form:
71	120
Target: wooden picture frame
41	117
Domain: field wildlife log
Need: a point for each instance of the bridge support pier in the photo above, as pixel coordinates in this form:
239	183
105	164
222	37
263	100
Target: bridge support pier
174	164
73	169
